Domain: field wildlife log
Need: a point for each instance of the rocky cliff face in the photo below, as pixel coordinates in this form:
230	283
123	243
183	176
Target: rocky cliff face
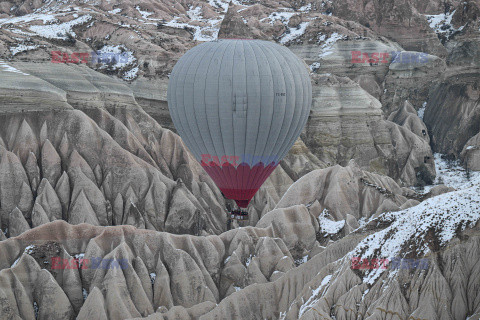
277	268
104	213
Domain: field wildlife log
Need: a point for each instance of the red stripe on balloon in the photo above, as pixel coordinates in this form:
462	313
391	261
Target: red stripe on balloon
240	183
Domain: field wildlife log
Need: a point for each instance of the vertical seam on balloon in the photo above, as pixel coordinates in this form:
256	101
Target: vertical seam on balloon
305	104
194	111
245	179
181	128
218	100
280	143
235	180
298	126
183	104
260	96
273	103
205	99
225	173
283	79
258	176
298	82
173	87
255	176
251	166
261	100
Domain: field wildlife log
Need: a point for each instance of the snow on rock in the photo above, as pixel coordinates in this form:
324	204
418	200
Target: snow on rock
452	174
29	18
314	66
144	14
59	31
301	260
130	74
442	215
153	276
442	23
118	10
22	48
124	59
283	17
30	249
293	33
327	46
203	29
223	5
79	256
249	259
5	67
306	8
315	297
329	226
421	111
208	32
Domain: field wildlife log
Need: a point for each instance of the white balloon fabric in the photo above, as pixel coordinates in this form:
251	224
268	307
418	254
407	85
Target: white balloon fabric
239	105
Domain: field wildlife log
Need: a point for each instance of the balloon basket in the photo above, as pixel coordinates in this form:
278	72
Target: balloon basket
239	215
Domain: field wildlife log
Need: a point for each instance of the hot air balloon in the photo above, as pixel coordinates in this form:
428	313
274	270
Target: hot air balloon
239	105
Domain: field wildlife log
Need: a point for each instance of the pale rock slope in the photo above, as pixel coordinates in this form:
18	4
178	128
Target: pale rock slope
254	272
348	123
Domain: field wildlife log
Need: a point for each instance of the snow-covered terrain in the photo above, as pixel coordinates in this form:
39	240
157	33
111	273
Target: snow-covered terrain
294	32
442	23
329	226
327	46
409	231
6	67
452	174
22	48
59	31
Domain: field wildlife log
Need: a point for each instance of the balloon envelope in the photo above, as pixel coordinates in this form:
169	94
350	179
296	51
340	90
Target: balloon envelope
239	106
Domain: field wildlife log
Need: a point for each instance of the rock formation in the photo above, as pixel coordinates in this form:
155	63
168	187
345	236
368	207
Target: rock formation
104	213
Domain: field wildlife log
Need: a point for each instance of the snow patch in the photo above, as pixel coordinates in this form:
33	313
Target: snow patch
29	18
22	48
329	226
144	14
85	294
442	23
315	297
249	259
452	174
444	215
223	5
153	276
79	256
314	66
59	31
116	11
421	111
294	32
131	74
306	8
327	46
